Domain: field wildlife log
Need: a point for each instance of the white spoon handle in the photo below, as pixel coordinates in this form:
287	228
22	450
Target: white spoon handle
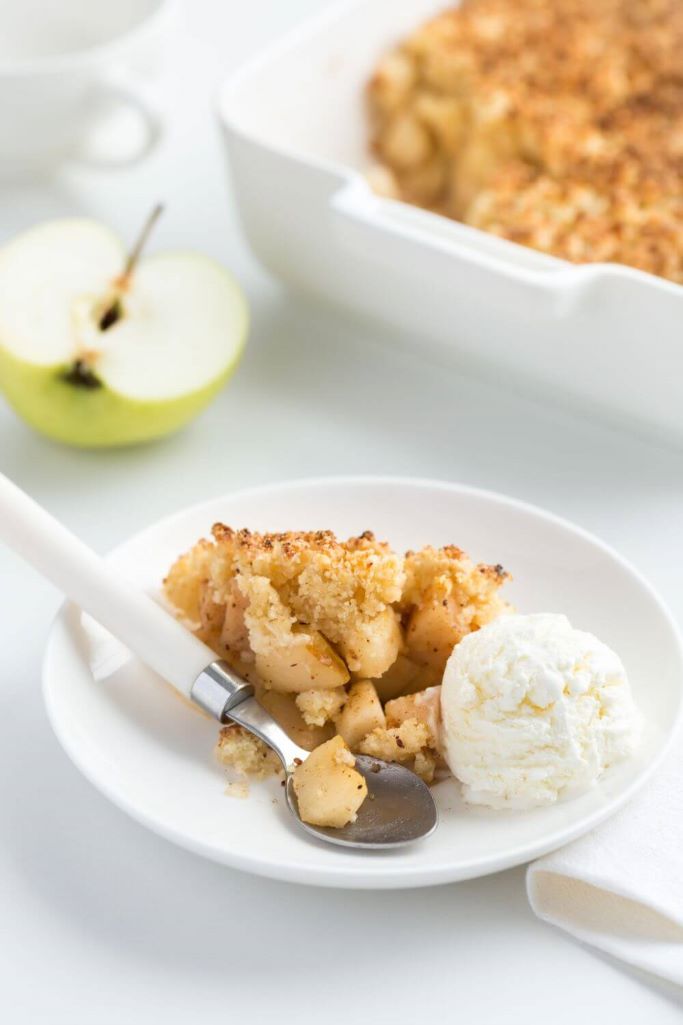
143	626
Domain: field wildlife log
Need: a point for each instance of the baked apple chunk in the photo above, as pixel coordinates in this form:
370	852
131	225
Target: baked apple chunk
329	790
445	597
345	643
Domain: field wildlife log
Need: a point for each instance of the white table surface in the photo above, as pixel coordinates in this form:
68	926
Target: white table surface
102	922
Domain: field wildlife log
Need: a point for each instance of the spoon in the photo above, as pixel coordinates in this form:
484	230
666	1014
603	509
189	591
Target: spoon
399	807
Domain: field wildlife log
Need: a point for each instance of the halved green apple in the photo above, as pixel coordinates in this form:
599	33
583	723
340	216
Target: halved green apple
94	356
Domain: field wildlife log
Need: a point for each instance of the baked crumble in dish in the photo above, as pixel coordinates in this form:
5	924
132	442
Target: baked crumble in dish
557	124
345	643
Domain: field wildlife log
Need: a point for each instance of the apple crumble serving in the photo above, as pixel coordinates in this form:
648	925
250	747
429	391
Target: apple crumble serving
345	643
557	124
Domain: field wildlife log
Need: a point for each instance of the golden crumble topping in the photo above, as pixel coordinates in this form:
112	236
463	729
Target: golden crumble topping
451	571
328	583
557	124
342	640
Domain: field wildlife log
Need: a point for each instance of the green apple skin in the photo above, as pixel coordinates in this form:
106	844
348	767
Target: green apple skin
181	310
97	417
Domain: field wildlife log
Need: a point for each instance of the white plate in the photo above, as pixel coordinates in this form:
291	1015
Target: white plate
152	755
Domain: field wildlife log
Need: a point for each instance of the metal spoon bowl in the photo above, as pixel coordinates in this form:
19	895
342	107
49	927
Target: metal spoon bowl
399	808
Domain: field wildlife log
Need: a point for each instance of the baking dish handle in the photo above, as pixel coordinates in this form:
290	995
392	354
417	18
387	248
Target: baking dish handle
416	243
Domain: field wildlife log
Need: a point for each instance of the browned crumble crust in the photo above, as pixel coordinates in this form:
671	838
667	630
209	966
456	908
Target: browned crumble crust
557	124
333	634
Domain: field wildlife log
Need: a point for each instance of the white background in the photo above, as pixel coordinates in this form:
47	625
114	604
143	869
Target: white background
101	922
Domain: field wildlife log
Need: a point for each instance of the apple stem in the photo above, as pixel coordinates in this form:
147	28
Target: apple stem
113	310
135	252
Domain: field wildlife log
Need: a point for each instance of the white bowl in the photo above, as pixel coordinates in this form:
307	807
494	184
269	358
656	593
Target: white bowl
151	754
295	125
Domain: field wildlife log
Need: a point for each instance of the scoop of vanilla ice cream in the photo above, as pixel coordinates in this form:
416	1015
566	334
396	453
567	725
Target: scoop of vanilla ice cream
534	710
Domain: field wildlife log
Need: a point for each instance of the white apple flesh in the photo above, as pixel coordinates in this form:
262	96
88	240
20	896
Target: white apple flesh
179	331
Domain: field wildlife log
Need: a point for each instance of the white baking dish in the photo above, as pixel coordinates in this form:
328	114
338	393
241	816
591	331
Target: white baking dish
609	336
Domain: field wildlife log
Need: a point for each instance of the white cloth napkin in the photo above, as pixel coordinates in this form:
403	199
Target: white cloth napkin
621	887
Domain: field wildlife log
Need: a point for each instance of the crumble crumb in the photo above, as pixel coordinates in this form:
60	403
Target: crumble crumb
239	789
320	706
240	750
396	743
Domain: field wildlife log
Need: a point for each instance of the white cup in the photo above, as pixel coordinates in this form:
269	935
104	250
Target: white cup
69	67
